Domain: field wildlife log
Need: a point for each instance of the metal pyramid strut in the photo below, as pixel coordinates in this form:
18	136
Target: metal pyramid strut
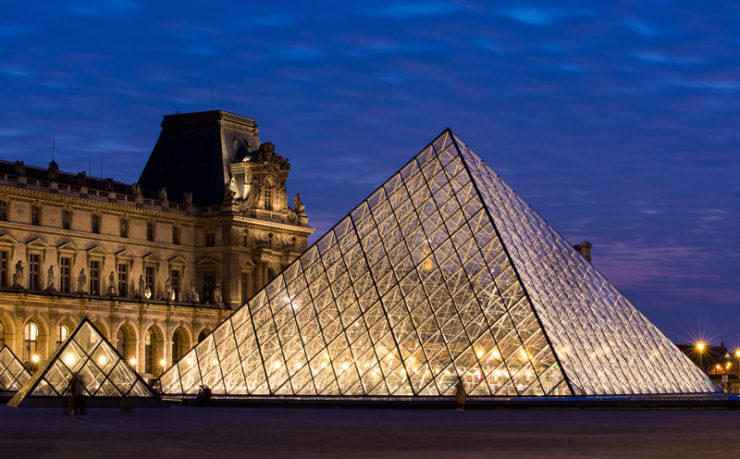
88	354
12	372
443	273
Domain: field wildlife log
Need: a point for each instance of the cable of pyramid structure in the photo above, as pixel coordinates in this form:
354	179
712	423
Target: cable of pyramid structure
13	374
89	355
442	274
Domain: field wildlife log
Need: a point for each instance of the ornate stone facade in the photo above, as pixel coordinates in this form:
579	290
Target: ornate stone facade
155	264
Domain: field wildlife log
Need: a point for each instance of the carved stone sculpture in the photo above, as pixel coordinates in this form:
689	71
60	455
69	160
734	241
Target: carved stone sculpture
187	199
50	279
18	274
169	290
52	171
20	168
136	190
217	296
162	193
112	284
108	184
142	285
298	205
81	281
81	178
147	292
194	296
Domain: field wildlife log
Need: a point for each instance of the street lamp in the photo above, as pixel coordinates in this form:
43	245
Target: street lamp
700	347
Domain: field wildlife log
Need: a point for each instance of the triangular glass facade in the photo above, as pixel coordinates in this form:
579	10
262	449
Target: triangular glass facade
442	273
13	374
88	354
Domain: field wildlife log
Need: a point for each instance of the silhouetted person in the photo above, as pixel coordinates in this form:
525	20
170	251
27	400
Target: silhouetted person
76	393
460	395
204	394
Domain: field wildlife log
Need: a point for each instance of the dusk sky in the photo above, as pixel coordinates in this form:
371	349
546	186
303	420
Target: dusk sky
618	124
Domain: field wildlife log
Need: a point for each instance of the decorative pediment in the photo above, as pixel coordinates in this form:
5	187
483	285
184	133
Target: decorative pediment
37	243
125	254
67	246
208	261
96	250
177	260
7	240
151	257
248	265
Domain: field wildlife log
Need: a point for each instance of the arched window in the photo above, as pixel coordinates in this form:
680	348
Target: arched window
121	344
179	343
270	274
154	352
203	333
63	334
30	342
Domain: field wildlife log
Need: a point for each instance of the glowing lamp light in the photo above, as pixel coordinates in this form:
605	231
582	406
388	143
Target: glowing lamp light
479	353
69	359
35	358
324	364
729	364
345	366
700	346
163	362
478	376
523	354
276	365
102	360
132	361
496	354
737	353
719	366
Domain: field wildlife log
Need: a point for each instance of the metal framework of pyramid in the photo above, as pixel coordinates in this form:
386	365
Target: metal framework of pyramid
88	354
444	272
13	375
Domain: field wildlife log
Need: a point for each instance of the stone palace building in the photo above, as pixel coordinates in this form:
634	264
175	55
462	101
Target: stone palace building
155	265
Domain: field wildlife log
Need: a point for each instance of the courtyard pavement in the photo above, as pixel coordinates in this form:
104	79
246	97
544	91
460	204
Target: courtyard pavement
332	432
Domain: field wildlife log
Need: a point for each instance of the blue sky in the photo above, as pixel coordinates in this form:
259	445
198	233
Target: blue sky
617	121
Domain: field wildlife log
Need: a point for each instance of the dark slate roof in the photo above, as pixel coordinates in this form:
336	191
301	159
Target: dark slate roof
193	153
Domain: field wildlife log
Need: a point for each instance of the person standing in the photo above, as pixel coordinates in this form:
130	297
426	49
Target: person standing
460	395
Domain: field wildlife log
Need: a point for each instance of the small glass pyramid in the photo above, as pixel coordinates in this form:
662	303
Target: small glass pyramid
444	272
13	374
88	354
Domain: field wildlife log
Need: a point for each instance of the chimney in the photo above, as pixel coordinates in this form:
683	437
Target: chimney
584	248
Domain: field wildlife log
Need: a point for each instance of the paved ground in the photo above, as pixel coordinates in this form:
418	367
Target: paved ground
327	432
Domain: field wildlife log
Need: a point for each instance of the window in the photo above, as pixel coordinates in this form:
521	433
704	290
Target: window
4	271
149	277
245	238
268	198
34	267
63	334
124	227
210	238
66	219
175	276
94	277
150	231
175	235
3	211
65	265
95	223
122	279
121	345
35	220
209	286
30	341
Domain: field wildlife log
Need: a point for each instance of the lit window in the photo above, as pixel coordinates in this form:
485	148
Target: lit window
268	198
30	341
63	334
65	266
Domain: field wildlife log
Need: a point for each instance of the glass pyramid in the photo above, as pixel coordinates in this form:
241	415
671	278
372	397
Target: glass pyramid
13	374
86	353
444	272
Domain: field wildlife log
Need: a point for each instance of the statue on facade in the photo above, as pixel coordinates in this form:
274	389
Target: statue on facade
81	178
20	168
136	190
112	284
217	296
298	205
81	281
18	275
52	171
229	194
142	286
187	198
194	296
162	193
50	279
169	290
108	184
147	292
